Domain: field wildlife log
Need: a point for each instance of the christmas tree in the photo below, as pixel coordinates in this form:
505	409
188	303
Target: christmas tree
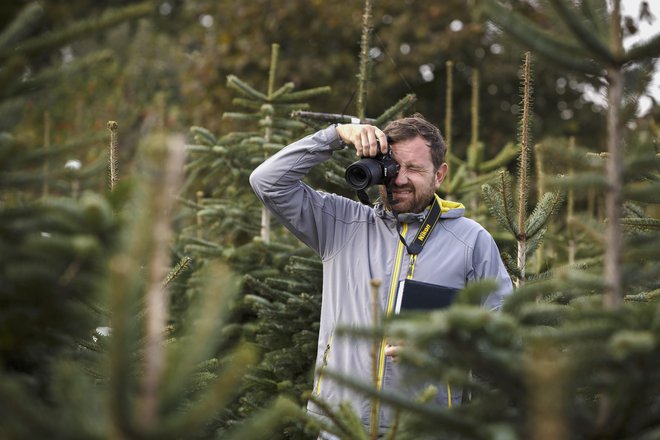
571	355
279	302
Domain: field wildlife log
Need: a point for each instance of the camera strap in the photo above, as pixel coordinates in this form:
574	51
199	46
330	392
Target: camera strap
425	229
363	196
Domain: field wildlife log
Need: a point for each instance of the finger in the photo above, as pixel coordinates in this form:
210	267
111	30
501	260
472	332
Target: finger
391	350
374	141
382	139
350	134
364	140
357	143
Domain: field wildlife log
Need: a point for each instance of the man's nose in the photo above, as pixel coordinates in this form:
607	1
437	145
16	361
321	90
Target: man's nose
401	177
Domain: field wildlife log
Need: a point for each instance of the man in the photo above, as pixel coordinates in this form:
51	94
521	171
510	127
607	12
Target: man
358	243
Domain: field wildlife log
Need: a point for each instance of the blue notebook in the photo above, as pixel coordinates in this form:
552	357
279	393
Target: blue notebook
417	295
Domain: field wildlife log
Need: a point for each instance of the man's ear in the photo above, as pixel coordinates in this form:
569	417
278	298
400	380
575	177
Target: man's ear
440	174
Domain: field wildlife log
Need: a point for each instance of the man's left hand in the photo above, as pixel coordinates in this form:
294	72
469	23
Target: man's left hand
391	350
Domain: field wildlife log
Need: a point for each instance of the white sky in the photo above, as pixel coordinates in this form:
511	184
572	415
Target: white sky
646	31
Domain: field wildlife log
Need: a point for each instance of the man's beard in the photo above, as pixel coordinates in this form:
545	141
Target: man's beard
407	198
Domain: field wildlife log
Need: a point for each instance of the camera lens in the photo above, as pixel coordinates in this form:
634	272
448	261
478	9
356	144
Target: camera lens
357	178
364	173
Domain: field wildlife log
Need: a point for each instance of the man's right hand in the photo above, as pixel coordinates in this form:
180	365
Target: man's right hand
364	137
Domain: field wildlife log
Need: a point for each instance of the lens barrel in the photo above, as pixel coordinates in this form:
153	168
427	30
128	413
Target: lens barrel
364	173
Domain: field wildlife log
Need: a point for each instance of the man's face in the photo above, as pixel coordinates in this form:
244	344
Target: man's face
416	181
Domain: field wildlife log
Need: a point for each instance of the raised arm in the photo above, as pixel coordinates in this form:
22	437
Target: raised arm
320	220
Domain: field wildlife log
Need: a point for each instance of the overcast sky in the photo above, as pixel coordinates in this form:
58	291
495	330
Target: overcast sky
646	31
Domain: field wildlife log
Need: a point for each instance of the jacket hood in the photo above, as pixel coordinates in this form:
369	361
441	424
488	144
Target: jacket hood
449	210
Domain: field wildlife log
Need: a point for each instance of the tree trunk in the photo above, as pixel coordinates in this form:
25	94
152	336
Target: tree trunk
613	198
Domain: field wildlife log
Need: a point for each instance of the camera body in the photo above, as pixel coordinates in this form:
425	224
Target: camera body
368	171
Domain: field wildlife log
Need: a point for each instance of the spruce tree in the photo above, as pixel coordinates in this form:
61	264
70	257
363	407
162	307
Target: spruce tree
24	45
509	208
34	76
221	166
466	176
596	49
72	265
566	357
278	304
283	282
53	253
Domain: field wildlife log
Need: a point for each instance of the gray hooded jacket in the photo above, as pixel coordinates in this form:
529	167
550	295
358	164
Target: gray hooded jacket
357	244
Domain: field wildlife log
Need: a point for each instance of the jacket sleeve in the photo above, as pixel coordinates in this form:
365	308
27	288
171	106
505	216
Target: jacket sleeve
487	264
314	217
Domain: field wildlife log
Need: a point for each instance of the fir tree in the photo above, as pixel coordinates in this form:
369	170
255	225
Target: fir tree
596	49
512	216
30	72
475	170
71	265
27	46
558	361
285	299
223	165
279	300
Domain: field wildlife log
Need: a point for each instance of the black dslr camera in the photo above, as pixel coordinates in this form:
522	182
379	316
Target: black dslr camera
368	171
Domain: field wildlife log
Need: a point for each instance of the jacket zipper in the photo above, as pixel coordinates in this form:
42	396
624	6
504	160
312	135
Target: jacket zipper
396	270
326	355
390	305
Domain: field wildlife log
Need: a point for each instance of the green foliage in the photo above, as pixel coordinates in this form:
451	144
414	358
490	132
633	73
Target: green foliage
319	42
62	36
528	230
70	266
500	201
167	69
553	363
278	305
221	167
288	308
53	256
475	170
561	50
553	358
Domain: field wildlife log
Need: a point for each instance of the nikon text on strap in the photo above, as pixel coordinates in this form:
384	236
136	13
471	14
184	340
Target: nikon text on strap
426	229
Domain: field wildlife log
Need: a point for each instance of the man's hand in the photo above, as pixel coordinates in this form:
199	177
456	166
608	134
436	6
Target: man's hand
391	350
364	137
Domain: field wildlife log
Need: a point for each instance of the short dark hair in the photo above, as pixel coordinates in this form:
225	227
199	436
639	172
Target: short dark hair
416	125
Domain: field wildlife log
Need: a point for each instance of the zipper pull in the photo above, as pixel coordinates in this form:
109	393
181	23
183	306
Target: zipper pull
411	266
